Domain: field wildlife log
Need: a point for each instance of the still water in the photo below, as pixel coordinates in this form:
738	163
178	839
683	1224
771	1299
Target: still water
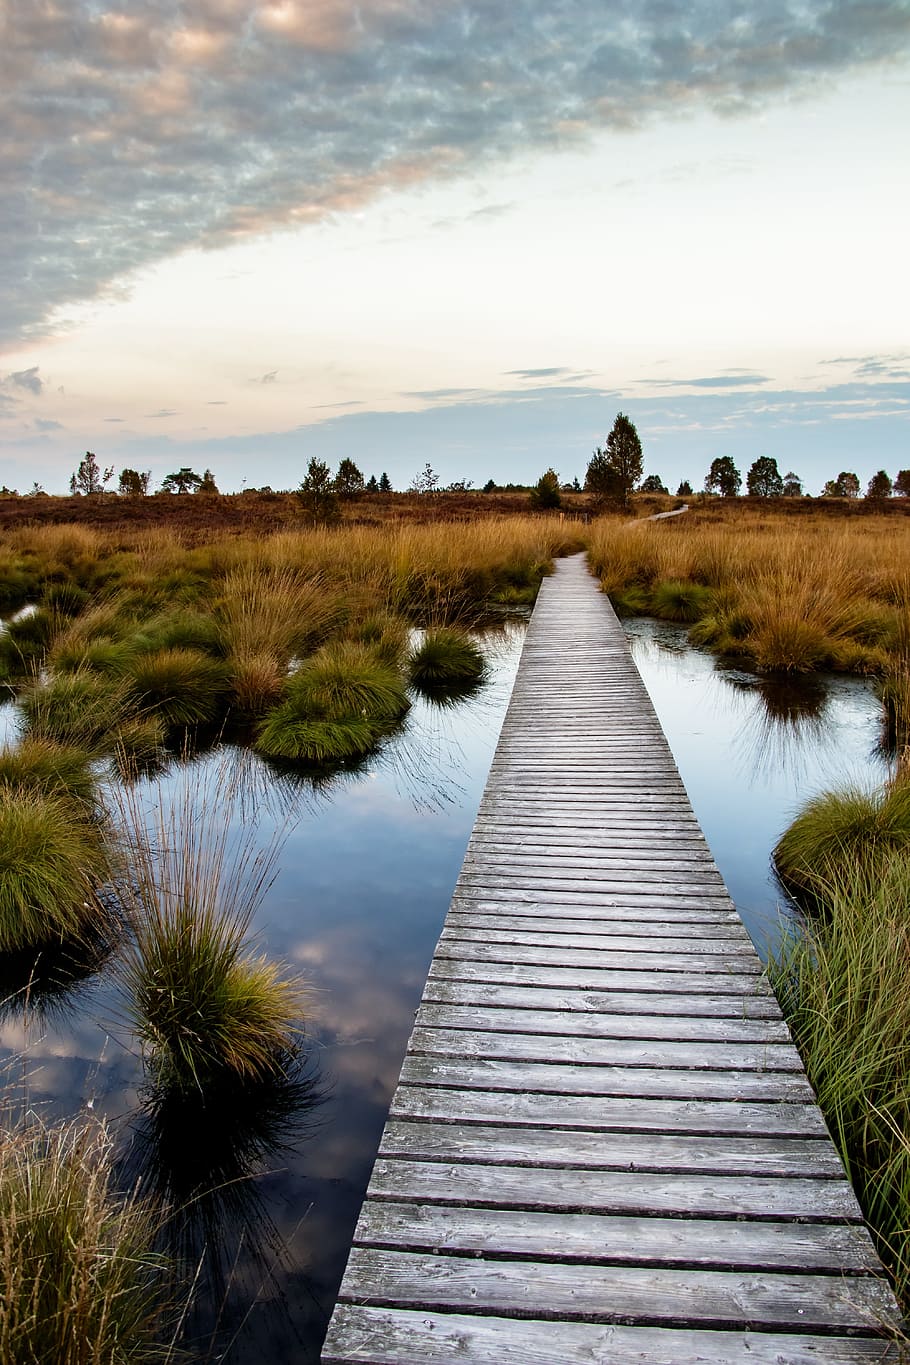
366	869
751	750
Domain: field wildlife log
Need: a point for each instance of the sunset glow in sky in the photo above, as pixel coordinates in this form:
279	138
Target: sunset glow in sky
234	235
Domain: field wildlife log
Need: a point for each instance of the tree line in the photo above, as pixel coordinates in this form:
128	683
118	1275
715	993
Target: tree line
614	471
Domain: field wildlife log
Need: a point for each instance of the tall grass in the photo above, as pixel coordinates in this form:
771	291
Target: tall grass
842	983
854	828
788	595
202	1002
339	703
80	1282
52	861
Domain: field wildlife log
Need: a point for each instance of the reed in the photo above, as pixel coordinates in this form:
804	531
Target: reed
80	1281
841	981
202	1002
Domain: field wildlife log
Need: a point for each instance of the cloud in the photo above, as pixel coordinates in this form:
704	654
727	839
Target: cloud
162	412
135	133
732	380
25	379
48	424
548	372
876	367
216	403
270	378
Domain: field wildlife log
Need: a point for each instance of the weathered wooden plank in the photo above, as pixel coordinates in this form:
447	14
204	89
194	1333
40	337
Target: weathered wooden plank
724	964
599	978
628	897
379	1336
566	1148
639	1081
589	1050
560	937
587	1023
624	1294
467	902
714	1010
617	1192
471	1104
724	928
819	1248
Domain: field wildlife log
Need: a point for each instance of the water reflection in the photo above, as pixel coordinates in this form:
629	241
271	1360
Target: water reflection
751	750
368	862
204	1157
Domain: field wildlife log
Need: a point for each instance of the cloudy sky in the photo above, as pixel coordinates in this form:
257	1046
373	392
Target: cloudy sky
237	233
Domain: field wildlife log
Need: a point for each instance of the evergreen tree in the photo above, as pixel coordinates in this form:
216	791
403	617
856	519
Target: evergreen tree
545	493
879	486
372	485
902	483
132	484
348	480
385	485
208	485
317	494
614	470
653	484
793	485
684	490
185	480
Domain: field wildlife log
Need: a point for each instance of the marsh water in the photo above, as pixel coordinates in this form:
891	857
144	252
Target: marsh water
365	872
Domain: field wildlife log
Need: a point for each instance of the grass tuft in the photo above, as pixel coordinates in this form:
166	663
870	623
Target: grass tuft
203	1004
40	765
52	859
80	1282
182	686
853	828
445	657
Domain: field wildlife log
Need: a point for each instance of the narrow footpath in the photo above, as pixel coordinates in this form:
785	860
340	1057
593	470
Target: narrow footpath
603	1147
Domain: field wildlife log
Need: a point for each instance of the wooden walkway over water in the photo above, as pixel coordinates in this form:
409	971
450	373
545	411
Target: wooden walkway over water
603	1147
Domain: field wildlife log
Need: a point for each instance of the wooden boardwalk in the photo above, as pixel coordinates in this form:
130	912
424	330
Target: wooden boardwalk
603	1147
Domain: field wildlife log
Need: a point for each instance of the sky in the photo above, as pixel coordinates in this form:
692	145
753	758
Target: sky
238	234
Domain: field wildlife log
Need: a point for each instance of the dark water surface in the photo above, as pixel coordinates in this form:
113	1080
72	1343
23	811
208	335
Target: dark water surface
365	875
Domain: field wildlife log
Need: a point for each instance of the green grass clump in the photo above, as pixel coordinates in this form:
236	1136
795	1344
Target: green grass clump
842	984
445	657
635	600
203	1004
340	702
82	708
52	859
182	686
80	1282
854	828
673	600
54	769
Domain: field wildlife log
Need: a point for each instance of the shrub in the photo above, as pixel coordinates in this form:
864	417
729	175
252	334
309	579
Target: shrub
80	1283
445	657
51	862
